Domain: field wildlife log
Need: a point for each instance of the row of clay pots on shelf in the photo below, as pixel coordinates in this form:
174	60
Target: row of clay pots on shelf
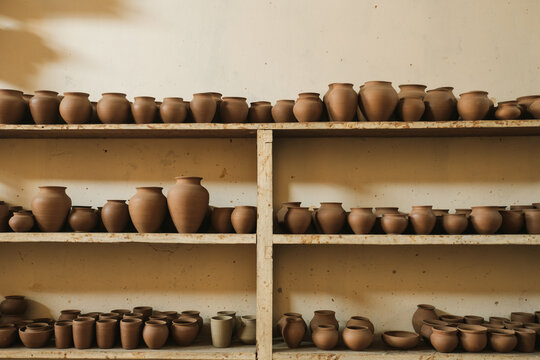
331	218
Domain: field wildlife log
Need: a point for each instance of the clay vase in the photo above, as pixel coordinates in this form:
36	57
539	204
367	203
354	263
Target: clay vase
113	108
308	107
473	320
440	104
325	337
341	101
331	217
323	317
502	340
280	214
244	219
524	102
44	107
283	111
403	340
444	338
394	224
75	108
283	319
188	204
534	109
427	327
173	110
51	207
422	219
411	109
260	112
526	340
82	219
4	216
8	335
155	333
21	221
221	220
378	100
147	209
512	221
106	330
361	220
507	110
486	219
246	329
297	220
532	222
293	331
12	106
233	110
184	331
412	90
455	224
523	317
361	321
144	109
473	337
115	216
83	332
473	105
423	312
69	314
203	107
357	338
221	328
13	305
130	332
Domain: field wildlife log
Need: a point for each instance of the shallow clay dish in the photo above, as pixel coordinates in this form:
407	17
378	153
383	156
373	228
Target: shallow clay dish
401	339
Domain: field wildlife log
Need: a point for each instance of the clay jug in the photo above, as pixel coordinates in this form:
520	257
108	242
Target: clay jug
361	321
341	101
361	220
147	209
106	330
331	217
357	338
423	312
13	305
63	334
115	216
293	331
283	111
526	339
12	106
260	112
473	105
426	330
512	221
323	317
83	332
44	107
473	337
75	108
244	219
532	222
234	110
188	204
184	331
221	220
69	314
130	332
507	110
283	319
394	224
82	219
173	110
51	207
444	338
524	102
144	109
246	329
280	214
308	107
325	337
455	224
297	220
441	104
534	109
21	221
378	100
502	340
411	108
203	107
486	219
155	333
412	90
422	219
221	328
5	214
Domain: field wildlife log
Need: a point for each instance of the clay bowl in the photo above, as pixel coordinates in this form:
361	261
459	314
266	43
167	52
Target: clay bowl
403	340
35	338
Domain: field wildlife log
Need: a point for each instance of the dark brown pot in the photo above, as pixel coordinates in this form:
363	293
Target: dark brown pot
512	324
69	314
534	109
308	107
341	102
532	222
502	340
155	333
260	112
361	321
244	219
512	221
293	331
283	111
75	108
113	108
524	103
233	109
147	209
486	219
441	104
473	105
5	214
144	109
8	335
455	224
411	109
130	332
378	100
325	337
132	315
361	220
35	339
188	204
427	327
51	207
203	107
44	107
21	221
283	319
394	223
12	107
106	330
331	217
526	339
497	320
323	317
195	314
297	220
184	331
83	332
423	312
412	90
508	110
221	220
146	311
422	219
403	340
82	219
452	319
523	317
173	110
444	338
115	216
473	337
280	214
357	338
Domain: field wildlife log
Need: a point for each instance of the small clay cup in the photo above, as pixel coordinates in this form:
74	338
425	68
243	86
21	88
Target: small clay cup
502	340
130	332
184	331
473	337
155	333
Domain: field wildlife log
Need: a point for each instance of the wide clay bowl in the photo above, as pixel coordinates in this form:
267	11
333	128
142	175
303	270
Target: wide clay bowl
35	339
403	340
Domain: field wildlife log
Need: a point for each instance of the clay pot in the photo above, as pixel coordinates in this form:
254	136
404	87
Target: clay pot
473	105
308	107
512	221
260	112
293	331
280	214
466	212
75	108
283	111
323	317
113	108
144	109
440	104
325	337
532	222
452	319
234	110
378	100
524	103
361	321
83	332
44	107
69	314
403	340
357	338
427	327
412	91
106	330
394	223
502	340
526	340
8	335
221	220
298	220
522	207
173	110
51	207
115	216
221	328
110	315
283	319
473	337
146	311
4	216
341	101
12	107
35	339
380	211
411	109
361	220
82	219
195	315
486	219
188	204
493	326
21	221
473	319
534	109
130	332
507	110
523	317
512	324
246	329
14	305
147	209
244	219
331	217
422	219
423	312
155	333
455	224
231	313
444	338
203	107
185	331
497	320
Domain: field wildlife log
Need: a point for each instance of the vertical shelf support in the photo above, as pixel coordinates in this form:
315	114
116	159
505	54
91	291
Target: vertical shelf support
264	244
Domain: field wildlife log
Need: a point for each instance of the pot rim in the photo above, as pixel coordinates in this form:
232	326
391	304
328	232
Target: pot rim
261	102
527	97
502	332
70	311
190	312
184	322
292	314
426	306
144	97
188	178
325	327
298	207
357	328
149	188
156	323
245	207
331	203
76	93
444	329
474	92
52	187
507	102
12	91
442	88
422	207
309	93
234	98
454	215
362	208
173	98
113	94
221	318
412	85
285	100
341	83
378	82
400	334
107	320
525	330
46	92
472	329
131	320
324	312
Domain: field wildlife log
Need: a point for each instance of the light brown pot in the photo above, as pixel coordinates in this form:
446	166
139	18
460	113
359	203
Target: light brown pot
455	224
526	339
221	220
51	207
325	337
106	330
188	204
508	110
394	223
44	107
378	100
486	219
331	217
155	333
512	221
474	105
357	338
130	332
260	112
444	338
82	219
203	107
113	108
173	110
502	340
361	321
244	219
411	109
308	107
282	111
293	331
524	102
63	334
341	102
75	108
147	209
422	219
283	319
115	216
473	337
323	317
361	220
12	106
426	330
412	90
298	220
423	312
534	109
403	340
144	109
280	214
234	109
441	104
21	221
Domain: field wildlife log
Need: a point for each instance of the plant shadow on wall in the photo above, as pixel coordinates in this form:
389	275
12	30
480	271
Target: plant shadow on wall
25	50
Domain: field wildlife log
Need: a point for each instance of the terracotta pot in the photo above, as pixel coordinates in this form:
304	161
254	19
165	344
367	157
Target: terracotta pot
234	110
526	340
331	217
427	327
522	207
203	107
144	109
403	340
512	221
534	109
260	112
361	321
411	109
452	319
132	315
246	330
293	331
184	332
298	220
361	220
508	110
221	220
21	221
110	315
188	204
12	107
444	338
35	339
497	320
221	328
378	100
394	223
422	219
283	319
75	108
532	222
8	335
115	216
195	315
147	209
325	337
308	107
244	219
173	110
412	91
502	340
357	338
283	111
82	219
473	105
524	103
83	332
4	216
69	314
341	102
280	214
155	333
486	219
455	224
146	311
512	324
130	332
113	108
473	337
423	312
473	319
464	212
323	317
493	326
380	211
51	207
106	330
44	107
523	317
441	104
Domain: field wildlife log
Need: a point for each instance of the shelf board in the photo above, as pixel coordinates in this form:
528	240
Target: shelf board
408	239
111	238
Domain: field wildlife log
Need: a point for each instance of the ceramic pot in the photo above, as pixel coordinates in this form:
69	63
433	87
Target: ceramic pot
221	328
280	214
512	221
526	340
486	219
493	326
82	219
185	331
512	324
497	320
341	101
455	224
12	107
473	319
502	340
110	315
444	338
203	107
113	108
234	110
246	330
423	312
173	110
244	219
534	109
83	332
44	107
217	98
331	217
115	216
146	311
144	109
380	211
188	204
236	320
283	319
155	333
411	109
325	337
75	108
403	340
51	207
4	216
361	220
441	104
195	315
507	110
130	332
378	100
297	220
473	337
361	321
21	221
260	112
323	317
427	327
412	91
147	209
8	335
35	339
357	338
106	330
532	222
69	314
523	317
473	105
293	331
394	223
283	111
422	219
221	220
524	102
452	319
308	107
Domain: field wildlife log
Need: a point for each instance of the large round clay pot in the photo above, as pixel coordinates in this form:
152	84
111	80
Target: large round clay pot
526	339
455	224
5	214
412	90
44	107
147	209
114	108
486	219
203	107
51	207
188	204
325	337
508	110
534	108
532	222
21	221
130	332
440	104
512	221
411	108
394	224
173	110
502	340
221	220
83	332
422	219
361	321
82	219
184	331
524	102
444	338
341	101
155	333
13	305
106	330
423	312
283	319
233	109
69	314
473	105
221	329
378	100
427	327
293	331
298	220
331	217
361	220
115	216
75	108
260	112
473	337
357	338
12	106
144	109
308	107
283	111
403	340
323	317
244	219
